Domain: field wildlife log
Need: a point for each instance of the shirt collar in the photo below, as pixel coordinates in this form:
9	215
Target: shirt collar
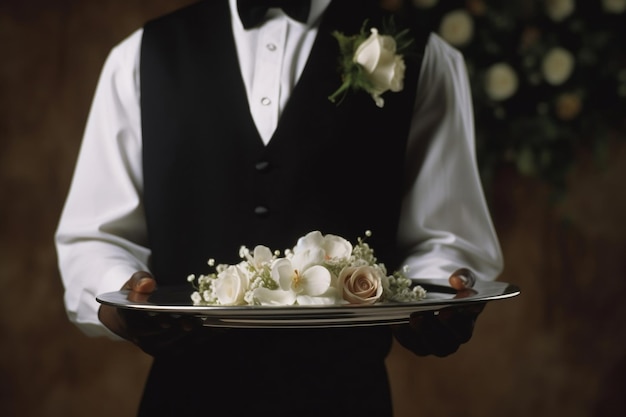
317	9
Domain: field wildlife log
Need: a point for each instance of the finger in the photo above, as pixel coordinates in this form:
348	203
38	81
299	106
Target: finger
141	282
462	279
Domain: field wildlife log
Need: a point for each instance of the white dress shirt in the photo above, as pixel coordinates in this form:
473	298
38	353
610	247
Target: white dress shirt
445	222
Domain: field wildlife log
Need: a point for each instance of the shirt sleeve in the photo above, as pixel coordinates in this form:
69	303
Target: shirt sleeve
445	222
101	236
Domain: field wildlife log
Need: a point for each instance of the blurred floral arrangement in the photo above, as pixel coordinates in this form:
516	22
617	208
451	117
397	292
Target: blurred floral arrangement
548	78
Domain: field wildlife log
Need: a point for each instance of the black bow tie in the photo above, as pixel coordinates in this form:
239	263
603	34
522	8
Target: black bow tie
252	12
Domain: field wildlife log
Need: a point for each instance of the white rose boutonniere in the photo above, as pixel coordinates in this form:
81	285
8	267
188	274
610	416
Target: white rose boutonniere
372	62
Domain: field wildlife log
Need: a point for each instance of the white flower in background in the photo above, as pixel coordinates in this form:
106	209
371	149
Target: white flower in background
501	81
457	27
231	286
424	4
333	246
557	66
558	10
614	6
383	67
361	284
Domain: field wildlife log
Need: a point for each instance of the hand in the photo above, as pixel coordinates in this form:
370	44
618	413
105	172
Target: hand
439	333
152	333
442	332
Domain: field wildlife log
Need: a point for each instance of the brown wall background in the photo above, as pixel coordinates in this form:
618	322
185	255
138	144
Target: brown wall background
558	349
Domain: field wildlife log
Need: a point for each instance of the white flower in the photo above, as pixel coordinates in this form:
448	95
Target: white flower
383	68
457	27
330	297
558	10
424	4
231	285
196	297
360	284
301	275
333	246
261	256
265	296
501	81
557	66
614	6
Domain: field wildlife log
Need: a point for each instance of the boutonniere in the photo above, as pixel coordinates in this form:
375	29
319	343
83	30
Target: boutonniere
372	61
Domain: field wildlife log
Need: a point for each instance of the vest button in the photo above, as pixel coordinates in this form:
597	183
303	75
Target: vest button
261	211
262	166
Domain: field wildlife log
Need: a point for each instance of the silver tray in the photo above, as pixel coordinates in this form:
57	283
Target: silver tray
176	300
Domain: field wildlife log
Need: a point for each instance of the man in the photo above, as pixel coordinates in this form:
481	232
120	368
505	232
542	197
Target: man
206	134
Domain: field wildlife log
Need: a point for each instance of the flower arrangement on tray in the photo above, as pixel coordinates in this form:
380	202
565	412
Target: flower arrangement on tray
318	270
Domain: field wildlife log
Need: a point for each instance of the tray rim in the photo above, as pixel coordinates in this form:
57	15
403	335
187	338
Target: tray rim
317	315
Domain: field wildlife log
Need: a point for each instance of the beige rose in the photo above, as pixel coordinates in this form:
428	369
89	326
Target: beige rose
557	66
457	27
384	69
360	284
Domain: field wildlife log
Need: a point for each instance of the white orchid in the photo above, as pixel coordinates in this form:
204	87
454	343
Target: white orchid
303	274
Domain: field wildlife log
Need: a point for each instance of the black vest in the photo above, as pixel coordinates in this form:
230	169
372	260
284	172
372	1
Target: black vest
211	185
